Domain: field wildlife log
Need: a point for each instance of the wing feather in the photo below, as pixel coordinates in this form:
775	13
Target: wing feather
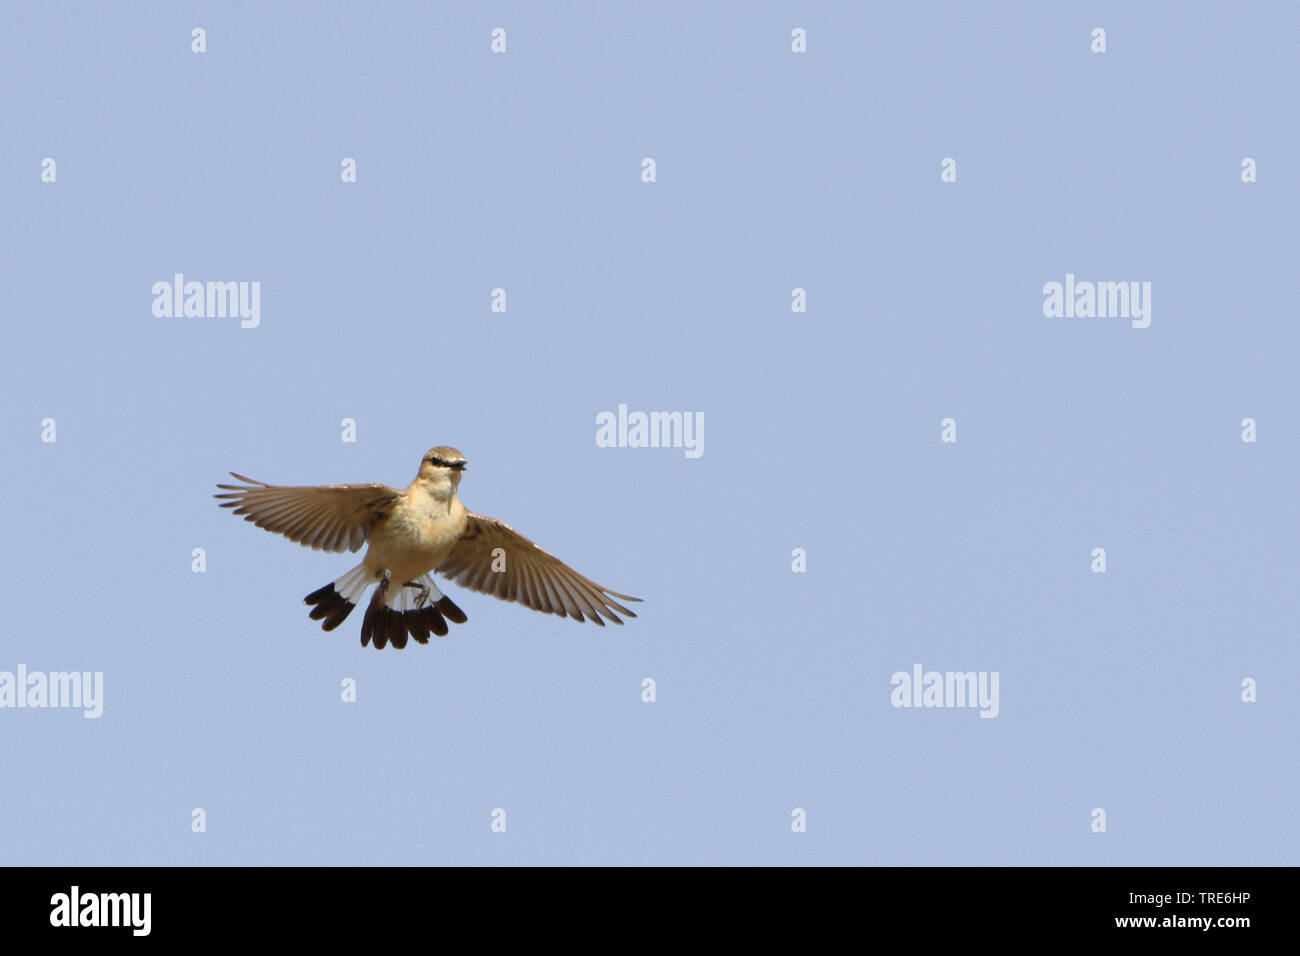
321	517
532	577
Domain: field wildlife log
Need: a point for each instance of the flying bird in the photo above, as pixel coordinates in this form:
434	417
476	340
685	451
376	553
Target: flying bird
412	532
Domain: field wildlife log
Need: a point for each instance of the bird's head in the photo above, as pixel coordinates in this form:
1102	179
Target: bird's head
442	464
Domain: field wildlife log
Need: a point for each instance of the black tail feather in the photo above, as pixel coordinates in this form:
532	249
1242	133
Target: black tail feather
419	627
329	605
454	614
396	629
382	625
434	620
368	629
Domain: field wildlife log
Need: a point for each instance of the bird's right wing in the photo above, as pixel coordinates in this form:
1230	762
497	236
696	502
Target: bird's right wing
321	517
494	558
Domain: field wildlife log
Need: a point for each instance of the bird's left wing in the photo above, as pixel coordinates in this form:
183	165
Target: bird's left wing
321	517
525	573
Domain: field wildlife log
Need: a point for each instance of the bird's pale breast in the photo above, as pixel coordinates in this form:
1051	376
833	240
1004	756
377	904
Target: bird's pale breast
416	536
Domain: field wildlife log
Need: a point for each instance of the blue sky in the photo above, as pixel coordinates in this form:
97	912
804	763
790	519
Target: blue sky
774	171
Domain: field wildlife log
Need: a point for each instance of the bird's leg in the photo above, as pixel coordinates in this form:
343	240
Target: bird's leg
385	578
422	598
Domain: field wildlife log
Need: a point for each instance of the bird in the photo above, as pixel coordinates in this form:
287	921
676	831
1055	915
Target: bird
412	532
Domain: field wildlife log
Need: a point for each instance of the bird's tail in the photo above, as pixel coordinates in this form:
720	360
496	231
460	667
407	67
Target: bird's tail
335	601
397	612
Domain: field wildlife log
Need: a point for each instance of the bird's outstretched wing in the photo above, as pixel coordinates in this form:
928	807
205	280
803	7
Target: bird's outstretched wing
530	575
321	517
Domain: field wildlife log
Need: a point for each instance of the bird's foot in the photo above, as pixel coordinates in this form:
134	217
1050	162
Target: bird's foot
385	578
422	598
